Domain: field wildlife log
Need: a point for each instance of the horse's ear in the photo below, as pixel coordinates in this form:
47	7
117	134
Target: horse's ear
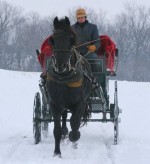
55	22
67	21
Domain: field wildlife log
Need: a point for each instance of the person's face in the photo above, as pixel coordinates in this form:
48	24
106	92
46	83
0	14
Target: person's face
81	19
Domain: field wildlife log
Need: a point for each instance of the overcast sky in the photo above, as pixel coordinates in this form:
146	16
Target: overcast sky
60	7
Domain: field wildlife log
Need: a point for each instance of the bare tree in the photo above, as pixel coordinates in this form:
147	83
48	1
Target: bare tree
132	32
21	35
28	37
8	21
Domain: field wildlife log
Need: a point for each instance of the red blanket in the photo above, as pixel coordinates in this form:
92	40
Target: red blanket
107	48
46	51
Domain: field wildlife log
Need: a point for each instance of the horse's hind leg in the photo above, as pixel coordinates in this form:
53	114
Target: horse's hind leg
64	124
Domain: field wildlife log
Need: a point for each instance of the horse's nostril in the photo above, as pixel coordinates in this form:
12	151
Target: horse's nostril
61	68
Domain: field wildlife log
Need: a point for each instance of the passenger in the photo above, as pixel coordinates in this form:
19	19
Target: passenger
88	41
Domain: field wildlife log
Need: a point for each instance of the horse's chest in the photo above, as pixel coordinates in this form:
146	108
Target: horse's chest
72	96
62	94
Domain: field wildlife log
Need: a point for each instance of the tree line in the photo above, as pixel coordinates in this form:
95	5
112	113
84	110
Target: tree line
21	35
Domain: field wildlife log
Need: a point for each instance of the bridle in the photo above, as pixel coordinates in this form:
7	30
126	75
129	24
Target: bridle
68	67
70	51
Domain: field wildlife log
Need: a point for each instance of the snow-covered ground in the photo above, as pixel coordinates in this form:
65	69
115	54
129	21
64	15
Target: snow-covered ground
17	90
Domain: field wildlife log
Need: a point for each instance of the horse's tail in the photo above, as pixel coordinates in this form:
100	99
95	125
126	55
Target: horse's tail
87	114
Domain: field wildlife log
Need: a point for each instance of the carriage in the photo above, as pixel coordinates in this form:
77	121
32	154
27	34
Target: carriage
98	100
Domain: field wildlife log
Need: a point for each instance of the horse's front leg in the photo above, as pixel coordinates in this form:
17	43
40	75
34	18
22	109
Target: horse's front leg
64	124
57	134
75	122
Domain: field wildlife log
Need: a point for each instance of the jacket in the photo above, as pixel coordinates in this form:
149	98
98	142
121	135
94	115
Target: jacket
86	33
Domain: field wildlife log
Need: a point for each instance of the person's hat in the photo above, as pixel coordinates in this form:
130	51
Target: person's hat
80	13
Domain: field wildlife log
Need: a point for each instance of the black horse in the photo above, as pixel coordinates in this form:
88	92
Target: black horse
69	82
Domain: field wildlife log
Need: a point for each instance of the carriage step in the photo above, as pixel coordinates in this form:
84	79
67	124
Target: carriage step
96	111
96	100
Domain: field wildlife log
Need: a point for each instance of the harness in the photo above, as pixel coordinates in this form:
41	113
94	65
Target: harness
74	78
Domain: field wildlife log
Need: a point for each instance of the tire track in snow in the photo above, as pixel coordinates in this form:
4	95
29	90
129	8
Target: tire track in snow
109	145
10	146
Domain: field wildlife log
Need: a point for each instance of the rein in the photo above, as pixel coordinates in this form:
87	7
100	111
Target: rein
80	45
57	50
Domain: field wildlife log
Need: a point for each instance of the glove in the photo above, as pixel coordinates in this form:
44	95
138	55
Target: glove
92	48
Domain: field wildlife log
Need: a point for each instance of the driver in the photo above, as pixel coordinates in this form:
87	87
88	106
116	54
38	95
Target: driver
87	33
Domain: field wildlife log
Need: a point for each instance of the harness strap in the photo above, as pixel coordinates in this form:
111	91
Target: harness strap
75	84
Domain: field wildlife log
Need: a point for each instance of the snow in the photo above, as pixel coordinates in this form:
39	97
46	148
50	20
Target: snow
95	146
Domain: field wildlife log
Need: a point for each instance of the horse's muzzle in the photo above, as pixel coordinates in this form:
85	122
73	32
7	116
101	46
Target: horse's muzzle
61	70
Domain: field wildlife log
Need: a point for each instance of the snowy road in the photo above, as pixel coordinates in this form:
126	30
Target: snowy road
17	92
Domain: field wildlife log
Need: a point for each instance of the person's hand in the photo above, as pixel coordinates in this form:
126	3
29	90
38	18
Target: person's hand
92	48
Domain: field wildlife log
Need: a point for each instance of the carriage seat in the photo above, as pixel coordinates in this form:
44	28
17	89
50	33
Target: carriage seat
109	50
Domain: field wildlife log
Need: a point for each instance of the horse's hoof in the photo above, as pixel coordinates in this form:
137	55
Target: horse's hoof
74	136
64	131
57	155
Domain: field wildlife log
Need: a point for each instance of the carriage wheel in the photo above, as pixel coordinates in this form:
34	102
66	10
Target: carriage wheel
115	115
44	115
36	117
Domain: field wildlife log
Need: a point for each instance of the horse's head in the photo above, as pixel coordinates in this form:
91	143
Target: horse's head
63	40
